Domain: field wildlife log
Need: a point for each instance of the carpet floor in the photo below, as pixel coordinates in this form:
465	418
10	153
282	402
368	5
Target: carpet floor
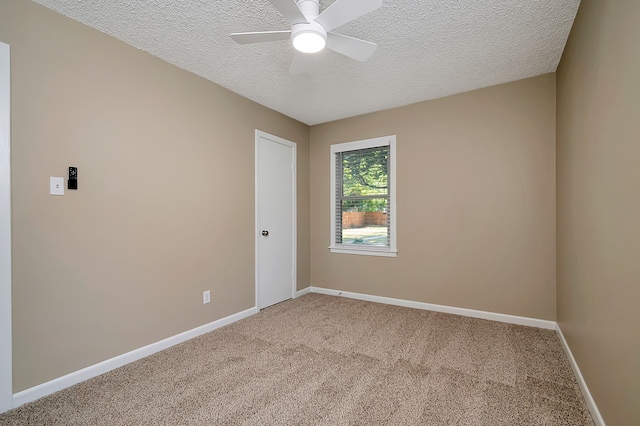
324	360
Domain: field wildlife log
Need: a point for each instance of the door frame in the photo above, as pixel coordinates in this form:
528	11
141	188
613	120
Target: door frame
294	243
6	376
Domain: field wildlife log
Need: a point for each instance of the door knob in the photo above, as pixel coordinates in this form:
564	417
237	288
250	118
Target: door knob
265	233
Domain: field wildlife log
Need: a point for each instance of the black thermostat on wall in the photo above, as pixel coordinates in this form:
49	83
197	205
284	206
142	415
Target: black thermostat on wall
73	178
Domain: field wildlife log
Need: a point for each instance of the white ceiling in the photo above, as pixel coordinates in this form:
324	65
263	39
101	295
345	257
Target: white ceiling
427	49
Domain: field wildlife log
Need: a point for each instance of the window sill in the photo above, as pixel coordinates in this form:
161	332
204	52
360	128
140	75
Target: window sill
365	251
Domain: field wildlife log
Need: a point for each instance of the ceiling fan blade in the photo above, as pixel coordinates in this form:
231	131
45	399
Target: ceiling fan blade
343	11
290	10
303	63
357	49
260	37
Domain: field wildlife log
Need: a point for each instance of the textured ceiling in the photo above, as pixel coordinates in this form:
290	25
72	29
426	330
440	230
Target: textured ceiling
427	49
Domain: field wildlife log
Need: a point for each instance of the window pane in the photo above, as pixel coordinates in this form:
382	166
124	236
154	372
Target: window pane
365	172
365	222
363	217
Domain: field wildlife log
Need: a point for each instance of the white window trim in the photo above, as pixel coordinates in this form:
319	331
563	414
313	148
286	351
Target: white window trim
392	250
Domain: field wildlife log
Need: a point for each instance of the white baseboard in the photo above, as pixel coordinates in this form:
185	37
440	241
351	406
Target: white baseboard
591	404
511	319
71	379
302	292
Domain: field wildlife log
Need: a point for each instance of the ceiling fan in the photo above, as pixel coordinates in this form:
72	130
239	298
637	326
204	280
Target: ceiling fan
311	30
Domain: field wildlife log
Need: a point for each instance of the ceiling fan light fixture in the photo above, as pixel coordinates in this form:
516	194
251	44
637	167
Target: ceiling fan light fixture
309	42
308	37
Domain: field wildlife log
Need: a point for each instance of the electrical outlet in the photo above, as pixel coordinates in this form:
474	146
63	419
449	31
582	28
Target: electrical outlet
206	297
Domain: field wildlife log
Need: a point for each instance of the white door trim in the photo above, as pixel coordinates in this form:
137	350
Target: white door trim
6	381
294	243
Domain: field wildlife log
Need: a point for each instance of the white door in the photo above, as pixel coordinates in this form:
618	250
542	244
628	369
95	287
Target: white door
6	392
275	219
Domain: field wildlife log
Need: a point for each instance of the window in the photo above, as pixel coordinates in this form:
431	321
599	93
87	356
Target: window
363	199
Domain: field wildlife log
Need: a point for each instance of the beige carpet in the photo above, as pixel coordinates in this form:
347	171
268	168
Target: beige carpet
322	360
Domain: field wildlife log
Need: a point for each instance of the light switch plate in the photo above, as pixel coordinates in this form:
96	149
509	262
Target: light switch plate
56	185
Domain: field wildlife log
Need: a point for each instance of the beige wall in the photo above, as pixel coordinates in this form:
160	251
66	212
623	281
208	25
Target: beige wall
475	200
165	206
599	203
